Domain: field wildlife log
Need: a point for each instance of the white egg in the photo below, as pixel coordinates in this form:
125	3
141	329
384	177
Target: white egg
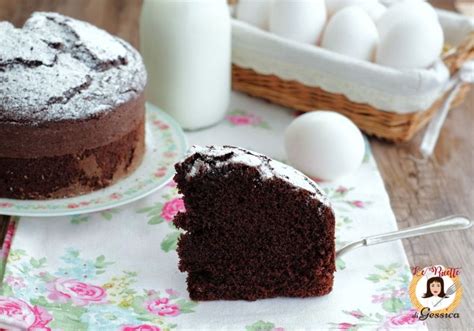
255	12
324	145
351	32
411	44
301	20
334	6
374	9
407	10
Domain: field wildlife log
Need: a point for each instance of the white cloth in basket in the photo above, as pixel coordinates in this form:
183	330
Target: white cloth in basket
364	82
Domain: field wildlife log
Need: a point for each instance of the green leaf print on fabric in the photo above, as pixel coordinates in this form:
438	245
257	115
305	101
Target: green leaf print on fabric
108	214
263	326
37	263
153	213
340	264
155	220
393	305
66	316
105	214
170	242
100	264
186	306
386	273
78	219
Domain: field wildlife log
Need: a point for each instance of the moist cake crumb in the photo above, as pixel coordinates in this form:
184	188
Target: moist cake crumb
254	227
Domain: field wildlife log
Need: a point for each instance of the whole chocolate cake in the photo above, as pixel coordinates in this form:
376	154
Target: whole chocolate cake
255	228
71	108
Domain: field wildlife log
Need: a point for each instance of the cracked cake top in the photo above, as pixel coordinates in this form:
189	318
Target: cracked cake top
57	68
206	159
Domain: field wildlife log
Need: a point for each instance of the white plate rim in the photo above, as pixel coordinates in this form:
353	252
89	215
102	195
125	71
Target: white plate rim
183	146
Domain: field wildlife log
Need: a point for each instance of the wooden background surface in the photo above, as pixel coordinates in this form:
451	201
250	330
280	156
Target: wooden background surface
420	190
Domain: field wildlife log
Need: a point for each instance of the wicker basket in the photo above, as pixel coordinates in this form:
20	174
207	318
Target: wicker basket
391	126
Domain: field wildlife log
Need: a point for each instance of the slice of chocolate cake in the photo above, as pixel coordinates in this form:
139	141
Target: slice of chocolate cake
255	228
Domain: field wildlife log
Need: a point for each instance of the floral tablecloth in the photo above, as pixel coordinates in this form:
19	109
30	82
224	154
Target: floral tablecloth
117	269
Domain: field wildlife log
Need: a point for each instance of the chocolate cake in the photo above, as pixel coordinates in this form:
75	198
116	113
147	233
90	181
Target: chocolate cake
255	228
71	108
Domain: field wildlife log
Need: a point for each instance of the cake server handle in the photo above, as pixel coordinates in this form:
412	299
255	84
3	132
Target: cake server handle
454	222
431	135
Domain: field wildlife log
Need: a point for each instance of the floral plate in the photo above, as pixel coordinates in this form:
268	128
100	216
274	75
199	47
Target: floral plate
165	145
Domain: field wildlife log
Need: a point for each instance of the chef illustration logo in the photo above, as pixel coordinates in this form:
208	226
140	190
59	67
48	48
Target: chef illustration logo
436	291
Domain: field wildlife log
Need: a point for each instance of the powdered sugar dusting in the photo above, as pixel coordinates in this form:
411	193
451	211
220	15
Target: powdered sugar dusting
16	45
101	44
68	78
56	68
267	167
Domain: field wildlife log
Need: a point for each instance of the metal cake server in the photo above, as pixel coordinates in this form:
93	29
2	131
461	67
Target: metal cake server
449	223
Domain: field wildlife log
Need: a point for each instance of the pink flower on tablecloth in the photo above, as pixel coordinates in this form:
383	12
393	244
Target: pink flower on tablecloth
404	318
172	292
242	119
142	327
356	314
162	307
358	204
64	290
161	125
342	189
160	172
378	298
169	154
399	292
345	326
171	208
17	313
278	329
6	204
15	281
115	196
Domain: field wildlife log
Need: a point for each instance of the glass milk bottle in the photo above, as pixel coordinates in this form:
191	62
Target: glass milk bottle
187	51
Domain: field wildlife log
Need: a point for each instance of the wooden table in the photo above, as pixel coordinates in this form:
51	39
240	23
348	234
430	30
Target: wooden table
419	190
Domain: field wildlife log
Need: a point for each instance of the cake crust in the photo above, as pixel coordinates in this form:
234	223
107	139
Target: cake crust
71	136
80	173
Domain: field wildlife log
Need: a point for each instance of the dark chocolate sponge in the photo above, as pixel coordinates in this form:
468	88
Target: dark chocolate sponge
255	228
